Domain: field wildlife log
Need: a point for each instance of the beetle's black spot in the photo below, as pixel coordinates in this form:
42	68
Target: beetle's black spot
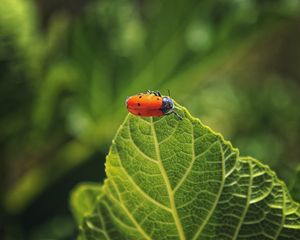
140	96
139	104
157	99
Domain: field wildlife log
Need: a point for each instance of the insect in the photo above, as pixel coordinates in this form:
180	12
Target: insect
151	104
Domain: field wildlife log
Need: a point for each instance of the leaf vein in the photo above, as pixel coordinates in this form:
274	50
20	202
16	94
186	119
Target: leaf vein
158	204
171	135
91	226
193	160
138	149
283	216
116	218
217	198
131	217
247	202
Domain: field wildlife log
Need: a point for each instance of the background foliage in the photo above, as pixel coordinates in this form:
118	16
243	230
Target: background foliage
67	66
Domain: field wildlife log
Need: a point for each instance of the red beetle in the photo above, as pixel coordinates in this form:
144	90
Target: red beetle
150	104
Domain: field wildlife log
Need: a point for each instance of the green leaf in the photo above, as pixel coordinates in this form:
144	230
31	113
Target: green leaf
172	179
83	200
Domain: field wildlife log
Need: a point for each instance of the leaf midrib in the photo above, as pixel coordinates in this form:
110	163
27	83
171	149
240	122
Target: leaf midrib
168	185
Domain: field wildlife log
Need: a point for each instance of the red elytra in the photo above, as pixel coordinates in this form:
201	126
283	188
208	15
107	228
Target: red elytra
146	105
150	104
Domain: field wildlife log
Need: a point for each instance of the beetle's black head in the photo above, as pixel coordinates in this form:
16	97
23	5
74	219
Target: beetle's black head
167	105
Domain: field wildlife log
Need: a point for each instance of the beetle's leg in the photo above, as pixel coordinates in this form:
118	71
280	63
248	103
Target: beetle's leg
151	92
174	112
177	115
156	93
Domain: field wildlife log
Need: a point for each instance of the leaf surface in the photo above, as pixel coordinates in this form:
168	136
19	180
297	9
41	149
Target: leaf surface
172	179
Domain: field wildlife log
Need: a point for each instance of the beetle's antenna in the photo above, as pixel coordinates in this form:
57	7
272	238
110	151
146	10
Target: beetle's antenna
169	94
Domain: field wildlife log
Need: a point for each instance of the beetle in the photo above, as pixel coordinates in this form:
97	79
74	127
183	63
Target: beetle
151	104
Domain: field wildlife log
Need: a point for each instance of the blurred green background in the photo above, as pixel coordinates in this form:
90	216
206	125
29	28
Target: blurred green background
66	68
